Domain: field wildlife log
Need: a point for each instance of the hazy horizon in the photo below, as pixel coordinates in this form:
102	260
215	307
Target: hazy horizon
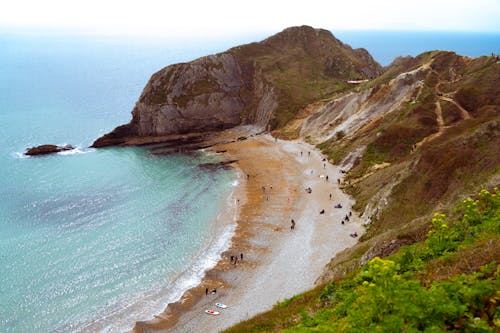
201	19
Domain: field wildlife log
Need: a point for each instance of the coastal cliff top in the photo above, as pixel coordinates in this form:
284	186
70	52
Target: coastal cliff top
264	83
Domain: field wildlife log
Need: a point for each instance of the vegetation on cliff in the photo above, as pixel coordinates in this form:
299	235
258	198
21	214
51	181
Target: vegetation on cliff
433	285
417	139
264	83
425	155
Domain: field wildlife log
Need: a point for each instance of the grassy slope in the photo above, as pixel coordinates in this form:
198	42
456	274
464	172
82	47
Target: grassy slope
433	285
303	65
435	177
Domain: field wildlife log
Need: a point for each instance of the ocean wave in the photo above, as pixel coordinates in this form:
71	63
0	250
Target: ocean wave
77	150
153	302
20	155
208	258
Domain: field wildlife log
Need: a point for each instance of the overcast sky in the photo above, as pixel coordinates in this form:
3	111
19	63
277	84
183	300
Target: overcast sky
224	17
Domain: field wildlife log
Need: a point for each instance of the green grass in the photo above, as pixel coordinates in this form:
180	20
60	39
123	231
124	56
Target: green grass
398	294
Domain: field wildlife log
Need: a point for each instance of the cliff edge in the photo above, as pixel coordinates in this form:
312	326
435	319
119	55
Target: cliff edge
264	83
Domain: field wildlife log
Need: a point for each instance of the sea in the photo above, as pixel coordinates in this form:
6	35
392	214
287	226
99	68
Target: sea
96	239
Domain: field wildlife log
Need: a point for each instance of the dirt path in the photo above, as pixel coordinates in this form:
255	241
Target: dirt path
441	127
439	115
465	113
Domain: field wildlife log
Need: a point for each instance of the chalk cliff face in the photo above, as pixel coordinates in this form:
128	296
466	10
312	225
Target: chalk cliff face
263	83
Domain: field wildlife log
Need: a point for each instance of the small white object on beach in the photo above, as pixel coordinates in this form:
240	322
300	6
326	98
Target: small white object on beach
212	312
220	305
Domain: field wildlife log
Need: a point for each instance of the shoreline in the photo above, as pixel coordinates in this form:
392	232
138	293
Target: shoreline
277	261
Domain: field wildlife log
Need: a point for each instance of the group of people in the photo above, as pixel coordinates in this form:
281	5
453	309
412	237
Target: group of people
234	259
346	218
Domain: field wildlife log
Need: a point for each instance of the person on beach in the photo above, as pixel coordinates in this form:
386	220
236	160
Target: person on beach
330	196
312	172
350	213
241	256
327	178
338	181
248	176
263	189
309	153
300	154
292	227
206	291
342	222
232	258
324	165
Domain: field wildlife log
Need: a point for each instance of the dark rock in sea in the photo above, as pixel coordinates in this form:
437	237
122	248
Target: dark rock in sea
219	165
47	149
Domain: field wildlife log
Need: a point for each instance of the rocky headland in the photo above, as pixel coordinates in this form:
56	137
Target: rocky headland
263	83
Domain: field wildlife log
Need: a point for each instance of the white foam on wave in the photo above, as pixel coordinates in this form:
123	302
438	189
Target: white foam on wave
20	155
76	150
212	254
208	257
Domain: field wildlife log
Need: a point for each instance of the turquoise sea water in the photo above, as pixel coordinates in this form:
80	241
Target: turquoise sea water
93	240
96	239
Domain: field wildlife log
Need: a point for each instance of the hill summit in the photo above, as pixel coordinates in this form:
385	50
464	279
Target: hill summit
264	83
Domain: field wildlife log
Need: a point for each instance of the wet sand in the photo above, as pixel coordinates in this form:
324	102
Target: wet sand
278	262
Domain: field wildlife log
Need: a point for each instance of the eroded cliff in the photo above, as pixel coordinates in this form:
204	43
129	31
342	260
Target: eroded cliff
263	83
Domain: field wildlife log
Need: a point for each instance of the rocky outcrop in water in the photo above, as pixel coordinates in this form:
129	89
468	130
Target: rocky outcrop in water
47	149
263	83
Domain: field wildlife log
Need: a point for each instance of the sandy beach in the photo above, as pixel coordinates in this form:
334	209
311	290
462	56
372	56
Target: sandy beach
278	262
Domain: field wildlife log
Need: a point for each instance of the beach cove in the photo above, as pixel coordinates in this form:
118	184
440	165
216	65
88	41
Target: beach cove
278	262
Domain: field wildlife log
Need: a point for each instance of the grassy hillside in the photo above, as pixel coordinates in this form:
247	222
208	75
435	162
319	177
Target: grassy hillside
437	147
448	282
303	65
436	161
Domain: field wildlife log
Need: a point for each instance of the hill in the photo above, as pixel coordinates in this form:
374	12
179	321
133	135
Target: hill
417	140
263	83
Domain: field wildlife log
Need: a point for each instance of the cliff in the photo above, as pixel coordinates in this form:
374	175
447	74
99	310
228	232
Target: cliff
263	83
417	140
